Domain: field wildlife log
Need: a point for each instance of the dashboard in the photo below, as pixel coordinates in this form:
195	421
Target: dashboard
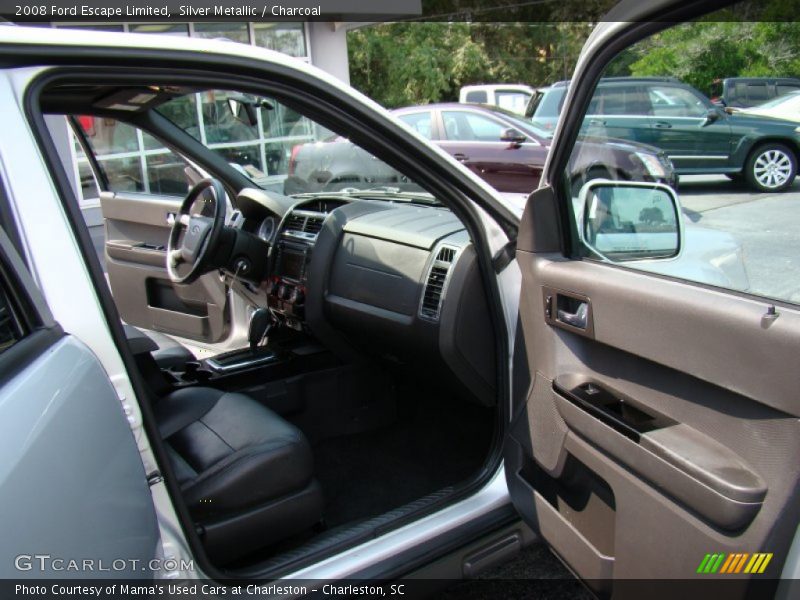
382	279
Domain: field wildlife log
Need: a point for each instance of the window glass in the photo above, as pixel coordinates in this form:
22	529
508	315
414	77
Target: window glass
234	32
463	126
477	96
288	38
513	101
176	29
672	101
420	121
183	112
165	174
86	179
785	88
124	174
733	227
219	124
130	160
108	136
93	27
757	93
619	100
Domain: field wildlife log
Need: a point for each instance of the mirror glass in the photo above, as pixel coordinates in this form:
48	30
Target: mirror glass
630	220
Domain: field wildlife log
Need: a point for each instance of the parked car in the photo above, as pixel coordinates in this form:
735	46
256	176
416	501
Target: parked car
500	147
513	97
698	137
744	92
509	153
786	107
401	385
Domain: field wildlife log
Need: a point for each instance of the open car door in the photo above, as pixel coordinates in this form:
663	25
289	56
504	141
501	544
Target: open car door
142	185
658	434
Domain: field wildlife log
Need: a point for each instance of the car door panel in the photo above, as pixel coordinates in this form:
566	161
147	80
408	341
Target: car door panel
687	444
72	479
506	168
137	229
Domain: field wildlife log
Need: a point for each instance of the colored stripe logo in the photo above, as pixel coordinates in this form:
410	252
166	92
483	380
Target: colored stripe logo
736	562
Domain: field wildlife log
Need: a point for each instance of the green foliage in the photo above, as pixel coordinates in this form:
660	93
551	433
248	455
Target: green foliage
400	64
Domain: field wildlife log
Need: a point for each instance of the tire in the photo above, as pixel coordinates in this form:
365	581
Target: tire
771	168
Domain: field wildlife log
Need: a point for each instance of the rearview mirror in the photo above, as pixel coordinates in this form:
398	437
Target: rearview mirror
243	111
512	136
630	220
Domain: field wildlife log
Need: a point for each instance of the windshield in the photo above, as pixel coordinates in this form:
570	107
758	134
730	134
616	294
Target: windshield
792	96
545	107
511	100
277	148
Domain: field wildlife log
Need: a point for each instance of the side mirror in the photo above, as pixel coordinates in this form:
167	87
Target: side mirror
630	220
713	115
243	111
512	136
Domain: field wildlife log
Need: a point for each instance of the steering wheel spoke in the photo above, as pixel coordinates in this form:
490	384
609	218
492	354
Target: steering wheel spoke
193	238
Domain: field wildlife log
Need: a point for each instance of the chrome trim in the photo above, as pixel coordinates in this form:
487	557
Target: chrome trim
251	362
697	156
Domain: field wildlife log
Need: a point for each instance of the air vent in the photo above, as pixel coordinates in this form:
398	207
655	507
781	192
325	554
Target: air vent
446	254
431	304
295	223
313	225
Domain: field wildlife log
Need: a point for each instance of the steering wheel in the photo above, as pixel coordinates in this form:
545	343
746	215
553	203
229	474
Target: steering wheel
194	237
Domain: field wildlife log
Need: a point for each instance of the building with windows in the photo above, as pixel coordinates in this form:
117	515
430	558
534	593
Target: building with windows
135	161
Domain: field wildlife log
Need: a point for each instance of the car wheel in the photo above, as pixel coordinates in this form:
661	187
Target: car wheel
771	168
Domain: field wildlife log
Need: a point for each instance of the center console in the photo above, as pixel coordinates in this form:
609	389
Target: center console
286	287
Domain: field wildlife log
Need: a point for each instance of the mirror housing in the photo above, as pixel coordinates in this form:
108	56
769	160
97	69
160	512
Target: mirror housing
630	220
512	136
712	115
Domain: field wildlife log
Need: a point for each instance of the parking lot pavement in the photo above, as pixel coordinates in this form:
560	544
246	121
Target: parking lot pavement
765	225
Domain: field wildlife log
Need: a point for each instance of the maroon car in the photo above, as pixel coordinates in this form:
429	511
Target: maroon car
509	152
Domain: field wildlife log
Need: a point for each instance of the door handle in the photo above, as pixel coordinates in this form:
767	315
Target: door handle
568	310
579	318
597	122
460	157
663	125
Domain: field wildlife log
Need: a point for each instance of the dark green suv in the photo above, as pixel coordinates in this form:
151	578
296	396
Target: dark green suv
699	137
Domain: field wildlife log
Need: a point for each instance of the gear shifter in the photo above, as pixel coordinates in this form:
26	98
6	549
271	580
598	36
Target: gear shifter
260	324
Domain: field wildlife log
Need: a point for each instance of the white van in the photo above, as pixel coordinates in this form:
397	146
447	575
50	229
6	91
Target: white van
510	96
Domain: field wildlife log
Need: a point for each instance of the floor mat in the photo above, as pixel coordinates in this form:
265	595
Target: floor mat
439	444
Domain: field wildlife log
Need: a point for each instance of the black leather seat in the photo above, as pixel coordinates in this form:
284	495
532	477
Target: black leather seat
245	473
165	351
